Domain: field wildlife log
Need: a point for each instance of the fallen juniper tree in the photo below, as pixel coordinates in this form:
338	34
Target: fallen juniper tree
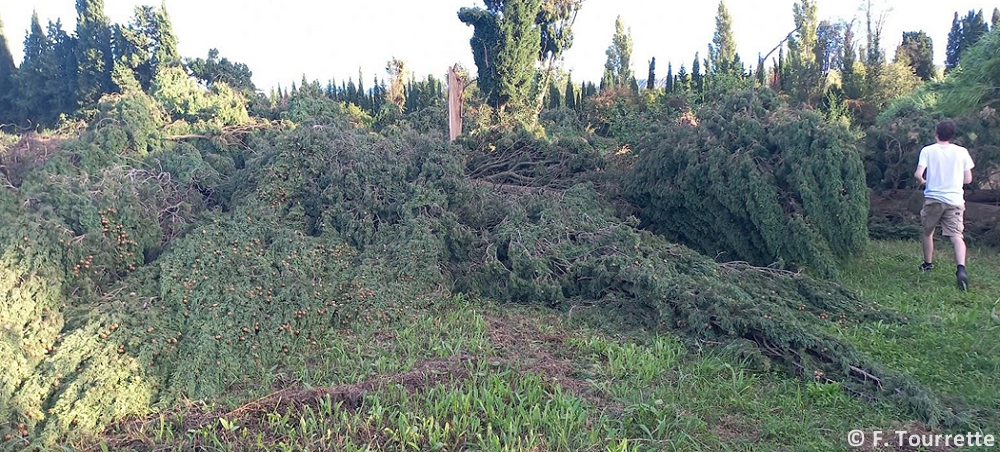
757	181
139	291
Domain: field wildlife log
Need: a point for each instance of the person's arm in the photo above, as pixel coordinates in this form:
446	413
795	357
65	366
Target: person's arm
968	168
921	168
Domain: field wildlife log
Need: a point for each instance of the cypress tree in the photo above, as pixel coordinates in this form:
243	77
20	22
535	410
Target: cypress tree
31	102
362	94
555	96
93	52
803	71
506	44
651	78
917	50
683	83
618	68
63	66
996	18
850	79
722	53
352	92
7	75
761	72
696	78
670	77
954	49
973	28
167	52
570	93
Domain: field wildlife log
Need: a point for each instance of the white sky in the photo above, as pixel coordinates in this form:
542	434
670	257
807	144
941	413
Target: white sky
283	39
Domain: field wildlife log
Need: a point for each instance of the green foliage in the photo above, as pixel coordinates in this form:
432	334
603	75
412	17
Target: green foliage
965	95
183	98
618	68
148	299
917	50
965	33
976	82
722	52
506	44
895	141
803	71
214	70
95	59
851	78
7	72
146	45
892	81
782	186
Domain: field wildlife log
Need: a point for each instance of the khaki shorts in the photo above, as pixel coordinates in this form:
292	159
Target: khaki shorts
951	218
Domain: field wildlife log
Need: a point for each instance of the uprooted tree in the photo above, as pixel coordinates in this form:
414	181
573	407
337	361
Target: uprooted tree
138	270
756	181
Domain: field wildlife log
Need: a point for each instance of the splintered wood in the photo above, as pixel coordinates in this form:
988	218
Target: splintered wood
456	89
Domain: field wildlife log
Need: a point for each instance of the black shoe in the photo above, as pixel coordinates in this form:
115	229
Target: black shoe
926	267
963	279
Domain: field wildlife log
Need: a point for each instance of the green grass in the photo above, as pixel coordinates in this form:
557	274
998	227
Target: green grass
952	341
517	378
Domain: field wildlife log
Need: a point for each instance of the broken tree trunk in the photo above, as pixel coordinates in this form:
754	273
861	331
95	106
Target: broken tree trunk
456	90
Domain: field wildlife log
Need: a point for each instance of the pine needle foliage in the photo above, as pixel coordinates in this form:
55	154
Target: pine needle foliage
179	271
757	182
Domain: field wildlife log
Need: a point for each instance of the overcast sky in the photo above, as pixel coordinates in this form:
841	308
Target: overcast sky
283	39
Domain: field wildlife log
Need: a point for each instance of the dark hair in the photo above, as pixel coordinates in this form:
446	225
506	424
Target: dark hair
945	130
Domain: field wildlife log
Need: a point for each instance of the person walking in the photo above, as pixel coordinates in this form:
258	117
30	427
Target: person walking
944	168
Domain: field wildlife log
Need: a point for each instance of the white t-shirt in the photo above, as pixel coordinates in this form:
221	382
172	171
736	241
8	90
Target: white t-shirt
946	166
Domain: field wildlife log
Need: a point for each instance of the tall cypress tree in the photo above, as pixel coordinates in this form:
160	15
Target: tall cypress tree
506	44
60	65
619	64
722	53
651	77
555	96
803	72
570	93
93	51
696	78
852	83
683	83
7	75
996	18
973	28
954	49
31	102
167	53
670	77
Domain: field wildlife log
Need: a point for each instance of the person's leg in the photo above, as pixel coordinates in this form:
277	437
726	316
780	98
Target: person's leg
930	215
953	226
960	250
928	242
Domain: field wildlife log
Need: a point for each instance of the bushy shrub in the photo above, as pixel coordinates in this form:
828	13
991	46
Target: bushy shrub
751	180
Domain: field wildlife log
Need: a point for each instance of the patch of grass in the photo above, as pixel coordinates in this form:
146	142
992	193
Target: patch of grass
951	340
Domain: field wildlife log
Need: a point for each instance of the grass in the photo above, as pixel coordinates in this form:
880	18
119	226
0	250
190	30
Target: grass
952	340
472	375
